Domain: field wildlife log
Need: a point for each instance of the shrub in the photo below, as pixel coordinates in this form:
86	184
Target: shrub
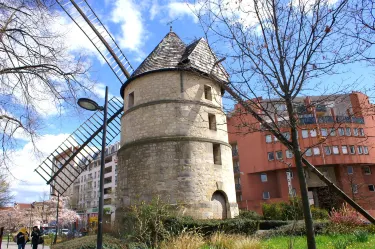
176	225
89	242
272	224
319	213
344	220
249	214
144	222
283	210
295	229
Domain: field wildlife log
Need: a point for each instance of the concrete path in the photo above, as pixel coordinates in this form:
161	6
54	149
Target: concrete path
13	245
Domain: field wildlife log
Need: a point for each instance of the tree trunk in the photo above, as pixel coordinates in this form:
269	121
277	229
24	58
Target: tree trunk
301	177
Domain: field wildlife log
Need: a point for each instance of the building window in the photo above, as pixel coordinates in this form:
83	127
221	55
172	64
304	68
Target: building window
355	132
361	132
324	132
332	132
365	150
289	154
352	149
294	193
308	152
279	155
289	173
344	149
268	138
367	170
341	131
212	122
335	150
216	153
316	151
270	156
350	170
207	92
348	131
371	187
266	195
360	149
286	135
131	100
313	133
305	133
355	188
263	177
327	150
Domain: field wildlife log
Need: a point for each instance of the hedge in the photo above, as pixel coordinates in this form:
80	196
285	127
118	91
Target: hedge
208	227
89	242
272	224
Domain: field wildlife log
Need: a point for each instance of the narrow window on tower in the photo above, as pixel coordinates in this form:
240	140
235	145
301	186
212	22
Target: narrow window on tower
207	92
131	100
217	153
212	121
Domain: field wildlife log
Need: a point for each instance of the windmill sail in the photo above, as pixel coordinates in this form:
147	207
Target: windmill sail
63	166
85	18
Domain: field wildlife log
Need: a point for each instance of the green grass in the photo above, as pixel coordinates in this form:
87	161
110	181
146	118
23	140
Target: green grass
322	242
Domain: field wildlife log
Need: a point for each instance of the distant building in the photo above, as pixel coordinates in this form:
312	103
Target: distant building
85	199
265	171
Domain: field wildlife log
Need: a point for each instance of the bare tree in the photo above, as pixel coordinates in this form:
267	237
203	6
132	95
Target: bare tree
36	70
281	50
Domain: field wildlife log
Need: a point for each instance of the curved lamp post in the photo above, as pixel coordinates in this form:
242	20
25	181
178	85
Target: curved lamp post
91	105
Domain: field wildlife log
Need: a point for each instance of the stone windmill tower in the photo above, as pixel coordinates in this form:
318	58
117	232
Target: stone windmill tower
174	140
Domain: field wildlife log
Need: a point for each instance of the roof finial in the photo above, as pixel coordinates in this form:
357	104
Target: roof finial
170	28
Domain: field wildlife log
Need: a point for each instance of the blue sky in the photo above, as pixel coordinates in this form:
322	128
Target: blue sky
137	26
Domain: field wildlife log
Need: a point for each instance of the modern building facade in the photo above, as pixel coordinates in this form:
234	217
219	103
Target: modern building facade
85	189
336	134
174	141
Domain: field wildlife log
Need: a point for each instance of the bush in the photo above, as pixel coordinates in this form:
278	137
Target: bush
296	229
344	220
369	228
272	224
208	227
319	213
283	210
89	242
250	215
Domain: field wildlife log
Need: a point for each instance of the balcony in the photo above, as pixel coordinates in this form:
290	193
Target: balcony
238	187
343	119
325	120
307	120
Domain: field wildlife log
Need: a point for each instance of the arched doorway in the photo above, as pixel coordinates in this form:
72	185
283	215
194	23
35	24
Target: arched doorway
219	207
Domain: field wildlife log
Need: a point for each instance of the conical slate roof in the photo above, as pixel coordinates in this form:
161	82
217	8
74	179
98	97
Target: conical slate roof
172	54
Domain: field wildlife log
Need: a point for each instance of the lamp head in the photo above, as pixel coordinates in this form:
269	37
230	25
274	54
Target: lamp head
88	104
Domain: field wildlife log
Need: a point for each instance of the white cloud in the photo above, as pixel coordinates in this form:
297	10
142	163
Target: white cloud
99	90
180	9
128	14
28	185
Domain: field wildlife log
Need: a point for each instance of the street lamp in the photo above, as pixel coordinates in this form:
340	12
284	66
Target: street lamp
91	105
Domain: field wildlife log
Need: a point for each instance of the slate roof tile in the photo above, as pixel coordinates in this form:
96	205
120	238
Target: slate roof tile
172	53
